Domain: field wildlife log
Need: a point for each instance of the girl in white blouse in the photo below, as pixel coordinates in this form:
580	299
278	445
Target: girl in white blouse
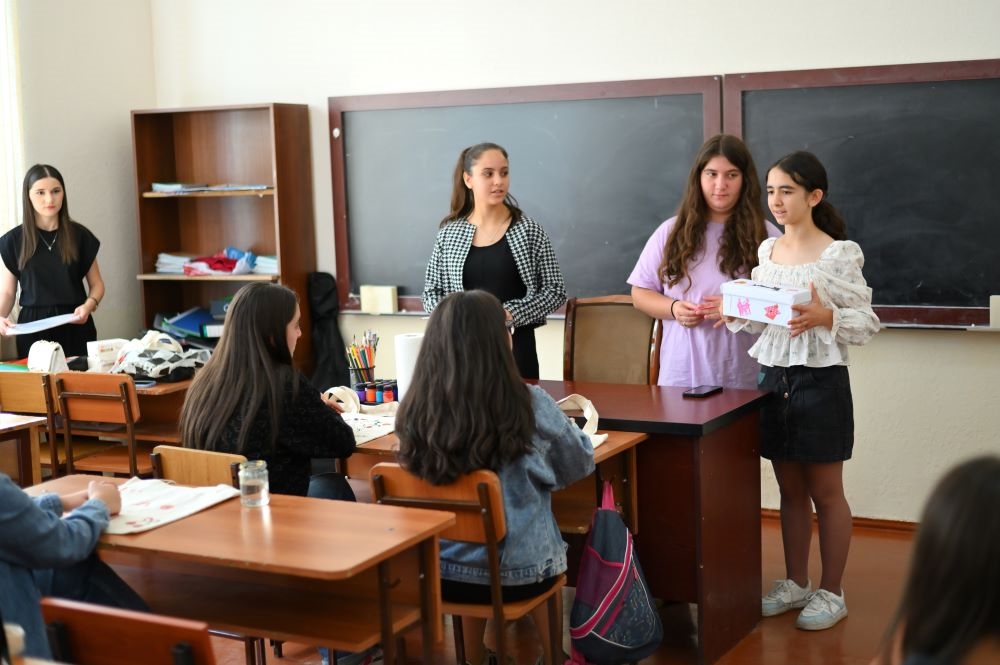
807	429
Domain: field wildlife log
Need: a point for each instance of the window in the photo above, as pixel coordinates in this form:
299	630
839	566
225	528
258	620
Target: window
10	122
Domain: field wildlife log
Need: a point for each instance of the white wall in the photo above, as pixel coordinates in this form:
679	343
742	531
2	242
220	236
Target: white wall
83	66
924	399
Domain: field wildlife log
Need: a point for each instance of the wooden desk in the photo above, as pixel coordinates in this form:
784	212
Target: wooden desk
160	410
573	506
314	571
698	485
23	430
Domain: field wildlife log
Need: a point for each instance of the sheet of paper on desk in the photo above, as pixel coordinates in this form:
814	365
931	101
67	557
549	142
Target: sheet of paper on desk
40	324
147	504
367	427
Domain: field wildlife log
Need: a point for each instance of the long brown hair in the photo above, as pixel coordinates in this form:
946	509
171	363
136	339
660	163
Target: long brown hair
65	234
251	366
951	600
806	170
467	407
462	202
744	230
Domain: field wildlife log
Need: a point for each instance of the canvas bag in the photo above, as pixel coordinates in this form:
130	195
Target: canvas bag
44	356
613	619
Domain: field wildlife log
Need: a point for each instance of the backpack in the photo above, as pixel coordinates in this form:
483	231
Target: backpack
613	619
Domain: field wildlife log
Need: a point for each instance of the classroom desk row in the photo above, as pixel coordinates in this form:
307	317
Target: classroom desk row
686	472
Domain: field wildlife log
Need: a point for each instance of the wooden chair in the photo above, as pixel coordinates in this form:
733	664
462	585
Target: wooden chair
477	501
102	406
200	468
88	634
608	340
31	393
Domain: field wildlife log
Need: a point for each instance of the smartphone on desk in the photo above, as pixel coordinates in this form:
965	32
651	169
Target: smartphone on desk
702	391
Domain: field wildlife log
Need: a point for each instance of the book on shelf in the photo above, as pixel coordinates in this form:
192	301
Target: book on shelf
168	187
210	330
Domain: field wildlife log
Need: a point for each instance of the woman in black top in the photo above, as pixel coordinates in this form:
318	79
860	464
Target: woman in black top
248	399
487	243
50	256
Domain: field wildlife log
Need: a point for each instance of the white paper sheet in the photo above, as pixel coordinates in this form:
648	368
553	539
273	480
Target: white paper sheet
149	503
40	325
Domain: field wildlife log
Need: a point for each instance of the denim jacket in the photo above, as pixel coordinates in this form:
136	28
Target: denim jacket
533	549
34	535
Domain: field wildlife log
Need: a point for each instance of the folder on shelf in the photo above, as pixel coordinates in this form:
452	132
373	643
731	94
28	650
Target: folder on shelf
191	321
211	330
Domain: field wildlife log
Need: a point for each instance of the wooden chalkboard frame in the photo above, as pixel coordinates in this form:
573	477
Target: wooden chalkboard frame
735	85
709	87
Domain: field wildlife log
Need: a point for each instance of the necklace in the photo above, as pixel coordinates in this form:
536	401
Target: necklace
496	236
49	245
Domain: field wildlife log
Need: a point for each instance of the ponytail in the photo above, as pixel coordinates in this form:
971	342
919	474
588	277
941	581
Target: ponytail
829	221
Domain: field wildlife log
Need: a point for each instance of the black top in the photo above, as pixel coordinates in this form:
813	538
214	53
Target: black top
46	281
492	268
309	428
50	287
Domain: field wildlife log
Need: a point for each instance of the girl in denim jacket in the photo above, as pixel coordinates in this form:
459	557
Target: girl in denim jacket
467	408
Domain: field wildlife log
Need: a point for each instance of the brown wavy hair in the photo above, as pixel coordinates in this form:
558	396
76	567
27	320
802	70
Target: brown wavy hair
467	406
462	202
744	230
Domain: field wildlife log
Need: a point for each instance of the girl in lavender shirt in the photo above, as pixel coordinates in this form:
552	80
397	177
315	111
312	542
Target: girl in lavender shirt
713	239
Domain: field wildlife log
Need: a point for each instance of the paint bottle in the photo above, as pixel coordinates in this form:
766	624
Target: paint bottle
359	388
370	392
379	392
389	391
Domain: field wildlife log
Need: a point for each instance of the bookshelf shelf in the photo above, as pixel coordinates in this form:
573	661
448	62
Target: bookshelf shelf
258	144
170	277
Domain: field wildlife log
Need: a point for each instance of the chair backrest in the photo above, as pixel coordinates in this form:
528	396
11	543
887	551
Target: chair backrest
87	634
190	466
608	340
97	397
31	393
475	498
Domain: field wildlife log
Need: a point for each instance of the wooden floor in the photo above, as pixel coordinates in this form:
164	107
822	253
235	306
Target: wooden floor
877	564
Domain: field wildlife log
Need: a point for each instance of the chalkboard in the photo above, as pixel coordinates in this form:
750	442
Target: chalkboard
599	166
910	154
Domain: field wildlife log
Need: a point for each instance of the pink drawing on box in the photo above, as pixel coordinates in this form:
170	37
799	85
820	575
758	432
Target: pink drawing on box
167	506
743	307
141	522
771	312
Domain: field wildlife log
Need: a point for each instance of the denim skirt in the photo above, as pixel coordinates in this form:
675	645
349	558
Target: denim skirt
811	416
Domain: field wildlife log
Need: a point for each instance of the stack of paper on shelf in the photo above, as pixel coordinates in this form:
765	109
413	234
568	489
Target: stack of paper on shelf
172	263
266	265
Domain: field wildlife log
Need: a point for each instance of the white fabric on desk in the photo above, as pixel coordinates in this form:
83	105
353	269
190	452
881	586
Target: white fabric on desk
147	504
576	402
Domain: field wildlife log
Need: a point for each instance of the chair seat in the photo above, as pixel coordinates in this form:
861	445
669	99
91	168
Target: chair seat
115	460
512	611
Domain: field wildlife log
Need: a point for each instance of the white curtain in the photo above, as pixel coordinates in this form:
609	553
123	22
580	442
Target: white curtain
10	121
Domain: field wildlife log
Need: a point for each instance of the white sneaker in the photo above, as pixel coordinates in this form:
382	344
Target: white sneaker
823	611
785	595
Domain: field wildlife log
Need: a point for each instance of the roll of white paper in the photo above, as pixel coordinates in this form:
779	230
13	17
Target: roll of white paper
407	350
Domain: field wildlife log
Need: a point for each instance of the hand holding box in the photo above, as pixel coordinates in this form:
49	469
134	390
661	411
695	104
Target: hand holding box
747	299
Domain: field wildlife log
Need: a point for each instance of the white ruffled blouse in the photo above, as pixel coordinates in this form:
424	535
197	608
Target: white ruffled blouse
840	286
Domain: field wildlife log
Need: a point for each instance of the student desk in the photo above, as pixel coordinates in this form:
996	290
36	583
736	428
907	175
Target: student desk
573	506
23	430
698	491
314	571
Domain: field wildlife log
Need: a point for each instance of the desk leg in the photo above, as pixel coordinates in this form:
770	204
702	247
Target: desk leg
385	612
29	469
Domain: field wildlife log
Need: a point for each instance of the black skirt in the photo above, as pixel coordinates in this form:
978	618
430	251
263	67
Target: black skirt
810	418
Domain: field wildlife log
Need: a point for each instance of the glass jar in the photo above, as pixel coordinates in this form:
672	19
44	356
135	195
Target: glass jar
254	486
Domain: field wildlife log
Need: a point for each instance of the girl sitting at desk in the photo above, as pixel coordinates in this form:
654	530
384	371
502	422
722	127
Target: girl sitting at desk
249	399
467	408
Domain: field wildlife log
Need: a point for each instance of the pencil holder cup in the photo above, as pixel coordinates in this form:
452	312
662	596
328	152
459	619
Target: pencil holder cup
359	374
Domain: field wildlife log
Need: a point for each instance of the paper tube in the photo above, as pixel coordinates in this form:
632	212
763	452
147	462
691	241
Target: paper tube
407	350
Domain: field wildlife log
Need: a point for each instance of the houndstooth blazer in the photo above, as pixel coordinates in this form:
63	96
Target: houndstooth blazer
533	254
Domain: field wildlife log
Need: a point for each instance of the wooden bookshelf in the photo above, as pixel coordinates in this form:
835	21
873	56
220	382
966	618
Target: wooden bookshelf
259	144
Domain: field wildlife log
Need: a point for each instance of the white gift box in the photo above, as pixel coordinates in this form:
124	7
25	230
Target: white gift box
746	299
105	351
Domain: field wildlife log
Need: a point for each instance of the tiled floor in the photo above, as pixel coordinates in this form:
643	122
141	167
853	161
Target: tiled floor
874	578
